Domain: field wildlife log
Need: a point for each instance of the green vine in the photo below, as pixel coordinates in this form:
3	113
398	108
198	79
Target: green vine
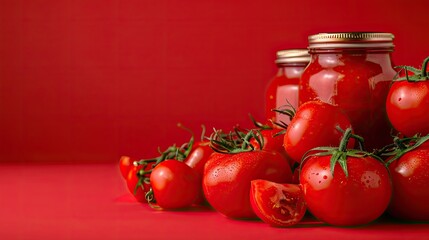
418	74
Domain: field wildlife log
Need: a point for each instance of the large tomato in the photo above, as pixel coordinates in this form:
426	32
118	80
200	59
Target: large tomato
280	205
410	177
175	184
226	181
315	124
407	103
341	200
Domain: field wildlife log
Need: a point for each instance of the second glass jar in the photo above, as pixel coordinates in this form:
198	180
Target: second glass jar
282	90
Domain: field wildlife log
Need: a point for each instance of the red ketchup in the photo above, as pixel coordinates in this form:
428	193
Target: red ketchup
354	71
283	88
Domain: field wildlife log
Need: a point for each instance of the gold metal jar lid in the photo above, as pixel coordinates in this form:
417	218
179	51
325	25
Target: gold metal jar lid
351	40
293	56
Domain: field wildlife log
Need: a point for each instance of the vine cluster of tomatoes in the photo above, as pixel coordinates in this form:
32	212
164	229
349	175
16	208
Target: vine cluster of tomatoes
278	174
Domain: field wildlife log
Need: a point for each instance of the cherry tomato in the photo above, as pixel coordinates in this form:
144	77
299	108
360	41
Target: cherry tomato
407	107
174	184
280	205
356	199
226	181
135	182
410	177
125	164
314	125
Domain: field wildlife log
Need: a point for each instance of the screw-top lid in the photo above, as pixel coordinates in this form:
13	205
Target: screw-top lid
293	56
351	40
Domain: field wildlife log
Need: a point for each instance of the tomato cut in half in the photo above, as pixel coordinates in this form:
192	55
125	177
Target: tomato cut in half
280	205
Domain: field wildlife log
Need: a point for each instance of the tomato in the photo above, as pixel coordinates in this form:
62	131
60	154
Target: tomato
280	205
226	181
407	107
198	156
174	184
410	185
197	159
136	184
272	141
314	124
407	103
341	200
125	164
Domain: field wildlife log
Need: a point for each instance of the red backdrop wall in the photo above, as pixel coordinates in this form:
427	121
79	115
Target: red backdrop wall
91	80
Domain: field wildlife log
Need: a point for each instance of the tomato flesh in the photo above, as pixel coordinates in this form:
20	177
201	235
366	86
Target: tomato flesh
280	205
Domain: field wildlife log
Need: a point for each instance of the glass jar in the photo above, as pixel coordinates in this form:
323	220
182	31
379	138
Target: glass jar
283	88
353	71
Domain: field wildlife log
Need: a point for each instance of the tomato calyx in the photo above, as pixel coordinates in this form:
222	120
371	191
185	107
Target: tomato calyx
339	154
401	146
417	75
236	141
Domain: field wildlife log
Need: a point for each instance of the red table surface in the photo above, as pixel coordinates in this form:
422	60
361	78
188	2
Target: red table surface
90	201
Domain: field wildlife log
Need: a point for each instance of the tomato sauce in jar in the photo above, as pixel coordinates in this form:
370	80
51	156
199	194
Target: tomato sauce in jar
283	88
353	71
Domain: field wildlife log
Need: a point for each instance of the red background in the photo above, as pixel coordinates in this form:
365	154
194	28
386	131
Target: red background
92	80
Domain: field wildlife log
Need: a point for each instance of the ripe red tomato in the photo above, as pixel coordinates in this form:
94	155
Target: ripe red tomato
280	205
197	159
410	185
272	142
174	184
135	182
408	101
314	125
341	200
407	106
226	181
125	164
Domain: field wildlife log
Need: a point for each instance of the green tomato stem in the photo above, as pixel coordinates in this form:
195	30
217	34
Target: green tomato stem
424	66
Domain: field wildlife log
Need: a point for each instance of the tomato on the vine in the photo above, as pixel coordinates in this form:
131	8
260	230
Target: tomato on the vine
345	187
174	184
125	164
315	124
407	103
280	205
410	177
136	183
